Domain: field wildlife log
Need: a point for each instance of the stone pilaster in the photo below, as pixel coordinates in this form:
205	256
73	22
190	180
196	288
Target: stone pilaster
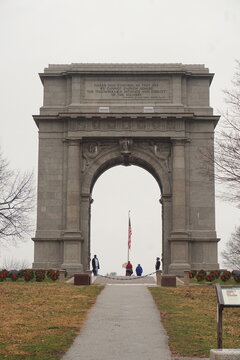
178	187
75	91
166	202
72	236
73	187
86	201
179	236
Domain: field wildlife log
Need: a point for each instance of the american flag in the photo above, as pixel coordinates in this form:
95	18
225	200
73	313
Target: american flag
129	233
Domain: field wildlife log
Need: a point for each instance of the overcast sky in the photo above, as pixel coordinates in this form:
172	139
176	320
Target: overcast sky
36	33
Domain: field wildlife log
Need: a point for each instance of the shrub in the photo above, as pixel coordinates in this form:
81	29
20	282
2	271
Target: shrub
192	274
40	275
235	272
201	275
52	274
28	274
13	275
21	273
3	274
237	278
213	275
226	275
210	277
217	274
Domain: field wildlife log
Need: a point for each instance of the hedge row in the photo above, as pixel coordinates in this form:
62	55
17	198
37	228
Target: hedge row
223	275
29	274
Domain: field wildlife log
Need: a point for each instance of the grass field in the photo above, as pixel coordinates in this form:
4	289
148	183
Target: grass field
38	321
189	317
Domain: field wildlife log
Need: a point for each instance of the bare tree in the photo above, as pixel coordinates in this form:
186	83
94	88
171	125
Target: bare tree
226	156
231	253
14	264
16	203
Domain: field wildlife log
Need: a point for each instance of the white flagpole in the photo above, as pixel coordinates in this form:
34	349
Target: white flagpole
129	234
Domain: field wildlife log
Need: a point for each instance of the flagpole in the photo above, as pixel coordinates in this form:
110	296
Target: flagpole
129	234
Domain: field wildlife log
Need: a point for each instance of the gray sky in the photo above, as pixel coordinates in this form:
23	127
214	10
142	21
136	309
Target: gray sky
36	33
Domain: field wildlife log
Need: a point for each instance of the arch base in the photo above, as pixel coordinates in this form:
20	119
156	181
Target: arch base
72	268
178	268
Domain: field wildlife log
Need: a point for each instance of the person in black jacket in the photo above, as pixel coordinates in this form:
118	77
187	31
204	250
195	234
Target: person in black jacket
95	265
158	264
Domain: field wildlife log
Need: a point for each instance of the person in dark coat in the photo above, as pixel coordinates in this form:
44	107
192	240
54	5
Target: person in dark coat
158	264
139	270
95	265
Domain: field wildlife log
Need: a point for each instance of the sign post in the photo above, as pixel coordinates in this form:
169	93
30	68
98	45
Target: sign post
219	326
227	296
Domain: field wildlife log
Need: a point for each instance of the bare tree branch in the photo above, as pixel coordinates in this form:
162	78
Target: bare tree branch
16	203
231	253
14	264
226	155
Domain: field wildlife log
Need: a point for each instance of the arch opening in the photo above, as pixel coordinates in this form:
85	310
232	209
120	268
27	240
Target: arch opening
116	191
116	161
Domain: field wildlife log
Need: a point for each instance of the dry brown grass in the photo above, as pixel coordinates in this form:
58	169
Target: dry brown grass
189	316
40	320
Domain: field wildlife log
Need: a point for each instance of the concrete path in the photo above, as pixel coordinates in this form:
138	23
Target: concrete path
123	324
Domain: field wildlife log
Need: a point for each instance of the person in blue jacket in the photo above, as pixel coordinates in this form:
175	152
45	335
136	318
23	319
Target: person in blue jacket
139	270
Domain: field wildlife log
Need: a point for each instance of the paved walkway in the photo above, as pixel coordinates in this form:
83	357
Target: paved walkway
124	324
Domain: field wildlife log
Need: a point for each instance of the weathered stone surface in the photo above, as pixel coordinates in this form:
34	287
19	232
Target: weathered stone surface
225	354
168	280
158	277
96	116
81	279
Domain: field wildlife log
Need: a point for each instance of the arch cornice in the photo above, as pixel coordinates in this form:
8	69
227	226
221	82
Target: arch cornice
141	155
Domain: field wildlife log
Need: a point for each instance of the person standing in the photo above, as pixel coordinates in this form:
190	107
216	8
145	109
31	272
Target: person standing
139	270
95	265
129	270
158	264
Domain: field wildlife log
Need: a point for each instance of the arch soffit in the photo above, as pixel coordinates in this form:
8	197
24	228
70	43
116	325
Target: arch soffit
144	159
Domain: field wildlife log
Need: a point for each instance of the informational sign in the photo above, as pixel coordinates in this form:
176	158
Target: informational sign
227	296
231	296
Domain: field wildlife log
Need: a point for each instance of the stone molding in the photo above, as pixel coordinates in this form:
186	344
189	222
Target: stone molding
154	68
138	121
47	238
128	154
72	235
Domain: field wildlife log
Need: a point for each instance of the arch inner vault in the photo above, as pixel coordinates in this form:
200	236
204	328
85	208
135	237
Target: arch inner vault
114	193
95	116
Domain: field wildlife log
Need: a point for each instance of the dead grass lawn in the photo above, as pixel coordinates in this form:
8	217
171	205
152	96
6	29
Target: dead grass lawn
189	317
39	321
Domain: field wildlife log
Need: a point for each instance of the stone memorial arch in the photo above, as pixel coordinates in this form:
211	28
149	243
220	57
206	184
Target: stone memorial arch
96	116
